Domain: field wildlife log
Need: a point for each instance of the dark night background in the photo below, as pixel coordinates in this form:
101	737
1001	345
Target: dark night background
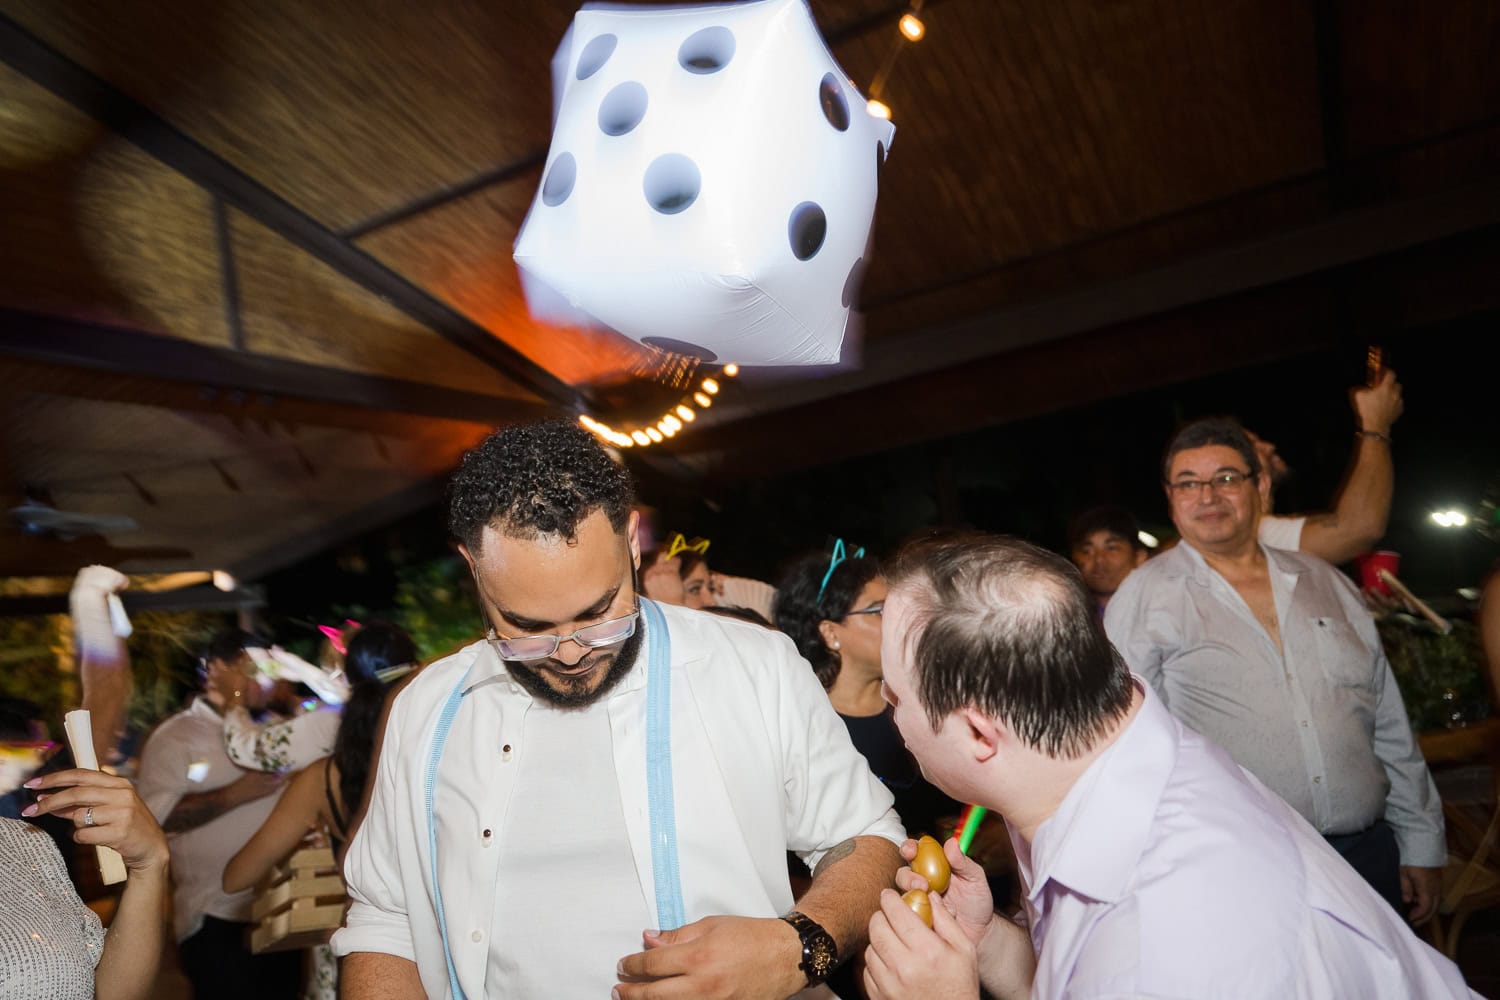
1027	478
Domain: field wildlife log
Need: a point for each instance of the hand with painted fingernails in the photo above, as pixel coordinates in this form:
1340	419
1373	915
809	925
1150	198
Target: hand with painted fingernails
106	811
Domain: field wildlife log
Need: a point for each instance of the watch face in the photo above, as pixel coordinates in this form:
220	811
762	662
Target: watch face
822	955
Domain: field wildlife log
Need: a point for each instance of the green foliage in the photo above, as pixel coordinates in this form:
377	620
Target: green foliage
435	603
1439	675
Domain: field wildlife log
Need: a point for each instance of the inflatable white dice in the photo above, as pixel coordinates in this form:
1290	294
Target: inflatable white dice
710	186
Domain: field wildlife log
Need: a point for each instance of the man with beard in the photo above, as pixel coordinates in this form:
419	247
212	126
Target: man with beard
598	798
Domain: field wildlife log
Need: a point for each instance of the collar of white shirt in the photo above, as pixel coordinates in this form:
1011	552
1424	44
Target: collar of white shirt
1092	843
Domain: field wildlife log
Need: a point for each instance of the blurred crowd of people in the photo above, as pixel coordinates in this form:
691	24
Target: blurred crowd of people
648	773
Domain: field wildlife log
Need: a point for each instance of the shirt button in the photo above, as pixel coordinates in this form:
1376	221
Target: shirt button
488	838
505	752
1304	723
1318	779
477	935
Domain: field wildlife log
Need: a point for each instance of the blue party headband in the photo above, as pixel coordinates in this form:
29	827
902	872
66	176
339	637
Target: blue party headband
839	555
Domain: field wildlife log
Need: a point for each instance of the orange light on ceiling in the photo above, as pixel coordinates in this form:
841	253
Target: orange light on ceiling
640	437
686	413
710	386
912	27
654	435
878	110
702	400
731	370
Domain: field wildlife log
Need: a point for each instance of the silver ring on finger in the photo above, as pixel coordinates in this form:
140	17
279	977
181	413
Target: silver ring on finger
88	816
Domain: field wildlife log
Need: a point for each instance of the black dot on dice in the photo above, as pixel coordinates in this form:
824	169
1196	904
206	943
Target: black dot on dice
707	51
806	229
622	108
835	104
560	178
595	54
672	183
852	283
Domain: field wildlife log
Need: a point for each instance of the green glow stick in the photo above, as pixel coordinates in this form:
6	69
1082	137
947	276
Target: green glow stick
973	816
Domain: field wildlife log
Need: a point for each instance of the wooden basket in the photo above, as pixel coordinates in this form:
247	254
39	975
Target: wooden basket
300	905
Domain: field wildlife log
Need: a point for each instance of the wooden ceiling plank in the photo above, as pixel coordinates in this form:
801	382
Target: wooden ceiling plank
54	340
140	125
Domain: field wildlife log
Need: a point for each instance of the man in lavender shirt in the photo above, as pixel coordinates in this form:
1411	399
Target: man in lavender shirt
1151	864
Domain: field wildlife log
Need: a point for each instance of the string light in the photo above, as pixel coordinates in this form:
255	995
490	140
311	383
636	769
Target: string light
669	424
878	109
912	27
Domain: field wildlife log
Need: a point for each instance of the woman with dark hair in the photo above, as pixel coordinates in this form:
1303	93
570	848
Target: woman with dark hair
831	608
675	575
325	797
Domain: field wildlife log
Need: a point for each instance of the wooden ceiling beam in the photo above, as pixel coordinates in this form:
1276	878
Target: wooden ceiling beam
52	340
138	124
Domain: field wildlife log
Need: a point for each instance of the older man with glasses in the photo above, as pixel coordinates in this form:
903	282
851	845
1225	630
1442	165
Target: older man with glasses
1273	655
598	798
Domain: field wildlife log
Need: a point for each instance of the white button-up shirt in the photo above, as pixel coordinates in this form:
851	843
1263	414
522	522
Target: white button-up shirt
761	765
1320	720
184	755
1169	872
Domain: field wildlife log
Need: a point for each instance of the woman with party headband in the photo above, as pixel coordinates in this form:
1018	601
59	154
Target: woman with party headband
831	607
678	573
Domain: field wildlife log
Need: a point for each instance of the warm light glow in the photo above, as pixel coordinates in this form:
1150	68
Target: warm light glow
622	440
912	27
1450	518
730	371
667	429
654	435
588	421
640	437
702	400
1147	539
671	423
710	386
686	413
223	581
878	109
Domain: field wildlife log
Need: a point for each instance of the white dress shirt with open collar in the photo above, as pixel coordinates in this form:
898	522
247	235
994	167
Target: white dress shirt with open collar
761	765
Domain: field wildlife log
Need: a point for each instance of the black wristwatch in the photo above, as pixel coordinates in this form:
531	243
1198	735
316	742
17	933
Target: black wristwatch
819	953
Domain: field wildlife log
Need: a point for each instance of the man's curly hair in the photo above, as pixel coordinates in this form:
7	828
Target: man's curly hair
537	479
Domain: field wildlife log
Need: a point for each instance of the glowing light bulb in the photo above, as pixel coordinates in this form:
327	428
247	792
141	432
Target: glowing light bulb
702	400
654	435
671	422
878	109
710	386
1147	539
731	370
640	437
686	413
912	27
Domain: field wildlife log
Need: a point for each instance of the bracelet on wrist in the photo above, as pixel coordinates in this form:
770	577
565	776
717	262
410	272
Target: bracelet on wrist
1378	435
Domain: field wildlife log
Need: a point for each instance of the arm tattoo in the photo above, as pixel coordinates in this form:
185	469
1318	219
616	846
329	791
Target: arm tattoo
835	854
192	811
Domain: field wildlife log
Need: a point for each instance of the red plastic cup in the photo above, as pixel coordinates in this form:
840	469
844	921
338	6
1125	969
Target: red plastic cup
1370	566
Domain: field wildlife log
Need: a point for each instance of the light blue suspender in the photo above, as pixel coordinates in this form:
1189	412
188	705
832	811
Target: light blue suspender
664	867
659	770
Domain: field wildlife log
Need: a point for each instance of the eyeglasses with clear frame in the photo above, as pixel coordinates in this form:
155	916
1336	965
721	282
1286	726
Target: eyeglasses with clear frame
873	609
538	647
1224	482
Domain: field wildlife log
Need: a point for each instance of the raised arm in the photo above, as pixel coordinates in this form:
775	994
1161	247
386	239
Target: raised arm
1363	504
103	663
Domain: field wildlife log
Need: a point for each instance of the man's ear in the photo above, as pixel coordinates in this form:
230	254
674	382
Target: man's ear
985	734
633	537
463	550
1263	487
